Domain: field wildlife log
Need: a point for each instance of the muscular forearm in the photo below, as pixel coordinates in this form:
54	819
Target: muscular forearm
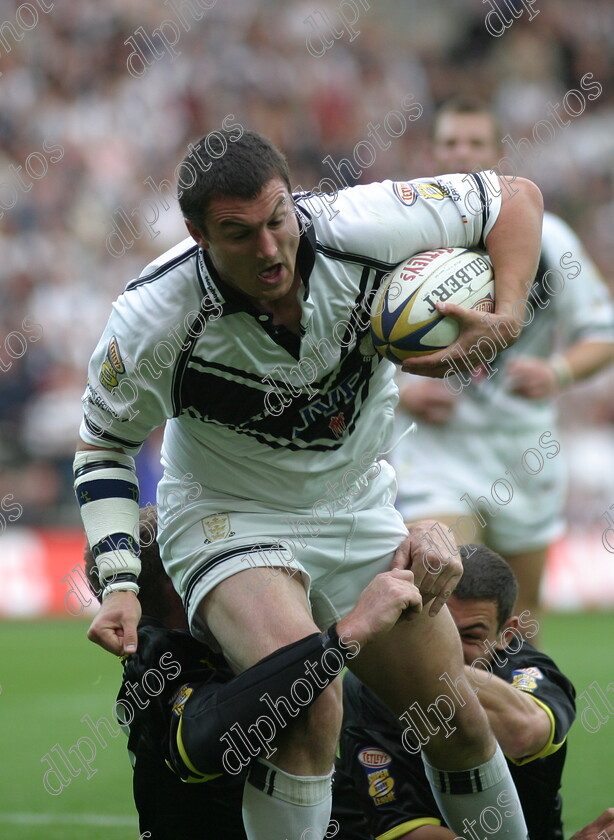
520	725
514	245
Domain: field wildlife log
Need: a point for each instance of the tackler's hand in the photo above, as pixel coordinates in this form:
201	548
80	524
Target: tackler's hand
434	559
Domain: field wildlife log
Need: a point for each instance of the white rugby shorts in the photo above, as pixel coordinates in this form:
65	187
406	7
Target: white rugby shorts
456	473
336	548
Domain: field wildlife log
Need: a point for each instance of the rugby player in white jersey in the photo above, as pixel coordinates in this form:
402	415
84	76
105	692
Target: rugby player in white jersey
485	459
251	340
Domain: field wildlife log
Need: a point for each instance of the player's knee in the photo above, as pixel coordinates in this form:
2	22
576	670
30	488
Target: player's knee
322	723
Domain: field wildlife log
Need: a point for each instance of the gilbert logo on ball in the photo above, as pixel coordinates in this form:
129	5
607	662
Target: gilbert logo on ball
404	321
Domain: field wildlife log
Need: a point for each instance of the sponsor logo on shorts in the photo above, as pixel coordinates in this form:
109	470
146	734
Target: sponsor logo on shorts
381	783
381	787
181	698
374	757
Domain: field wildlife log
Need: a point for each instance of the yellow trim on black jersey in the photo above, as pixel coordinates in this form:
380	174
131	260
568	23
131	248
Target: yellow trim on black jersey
202	777
406	827
549	747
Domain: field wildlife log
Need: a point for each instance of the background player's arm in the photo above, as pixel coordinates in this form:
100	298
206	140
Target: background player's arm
539	378
520	725
584	313
426	399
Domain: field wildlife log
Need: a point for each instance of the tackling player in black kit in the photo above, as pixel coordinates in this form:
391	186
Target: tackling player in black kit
203	708
530	706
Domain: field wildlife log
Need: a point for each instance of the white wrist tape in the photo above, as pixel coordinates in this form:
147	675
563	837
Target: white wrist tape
107	490
562	371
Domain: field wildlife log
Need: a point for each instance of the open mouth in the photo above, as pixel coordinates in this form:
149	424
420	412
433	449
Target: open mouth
272	274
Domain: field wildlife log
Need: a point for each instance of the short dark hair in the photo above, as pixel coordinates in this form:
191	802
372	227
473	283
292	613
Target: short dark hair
487	576
239	167
467	105
153	579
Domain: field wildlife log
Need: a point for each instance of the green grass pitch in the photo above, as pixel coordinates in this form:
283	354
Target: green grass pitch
51	676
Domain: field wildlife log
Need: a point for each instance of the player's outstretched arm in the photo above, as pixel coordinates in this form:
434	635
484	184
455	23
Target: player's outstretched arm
520	725
538	379
513	245
108	494
600	829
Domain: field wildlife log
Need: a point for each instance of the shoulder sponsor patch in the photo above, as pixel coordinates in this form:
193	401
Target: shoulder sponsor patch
93	397
434	191
112	366
526	678
405	192
115	357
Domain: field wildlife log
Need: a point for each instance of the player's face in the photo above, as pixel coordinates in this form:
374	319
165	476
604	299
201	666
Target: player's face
465	143
253	242
476	621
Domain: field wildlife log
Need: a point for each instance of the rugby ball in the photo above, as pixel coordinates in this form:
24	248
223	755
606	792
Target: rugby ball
404	320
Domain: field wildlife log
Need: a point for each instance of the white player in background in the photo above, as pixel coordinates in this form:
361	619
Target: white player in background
484	459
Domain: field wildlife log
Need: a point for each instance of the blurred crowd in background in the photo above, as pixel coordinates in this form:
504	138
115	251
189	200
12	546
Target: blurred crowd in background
87	119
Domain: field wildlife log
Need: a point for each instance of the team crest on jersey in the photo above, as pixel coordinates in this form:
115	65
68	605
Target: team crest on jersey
381	784
526	678
181	699
112	366
216	527
337	424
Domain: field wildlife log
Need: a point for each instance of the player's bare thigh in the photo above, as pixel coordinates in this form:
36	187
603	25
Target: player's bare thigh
250	621
406	665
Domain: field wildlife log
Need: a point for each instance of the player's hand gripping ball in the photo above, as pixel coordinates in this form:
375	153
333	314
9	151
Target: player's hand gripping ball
404	320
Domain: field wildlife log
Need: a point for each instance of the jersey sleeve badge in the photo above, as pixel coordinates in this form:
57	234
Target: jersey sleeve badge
526	679
112	366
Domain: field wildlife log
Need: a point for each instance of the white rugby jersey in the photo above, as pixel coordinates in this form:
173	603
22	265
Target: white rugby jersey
253	410
572	304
